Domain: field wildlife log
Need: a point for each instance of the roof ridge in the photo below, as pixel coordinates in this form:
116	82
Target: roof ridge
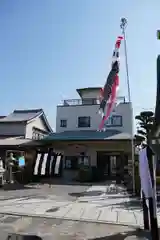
28	110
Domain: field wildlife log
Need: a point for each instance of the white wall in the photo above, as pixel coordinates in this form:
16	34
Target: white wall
90	93
37	123
71	114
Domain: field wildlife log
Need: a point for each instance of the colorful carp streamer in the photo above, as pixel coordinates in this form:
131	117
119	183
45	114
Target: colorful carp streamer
108	93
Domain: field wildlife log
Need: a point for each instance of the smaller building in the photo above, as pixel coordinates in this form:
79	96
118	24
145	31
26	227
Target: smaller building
18	134
30	124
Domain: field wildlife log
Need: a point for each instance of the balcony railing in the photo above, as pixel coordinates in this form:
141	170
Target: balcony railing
86	101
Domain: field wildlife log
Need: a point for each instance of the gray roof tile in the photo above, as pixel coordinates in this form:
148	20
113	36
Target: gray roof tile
88	135
21	115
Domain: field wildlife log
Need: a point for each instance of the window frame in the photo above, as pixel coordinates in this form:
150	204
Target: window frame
63	125
37	135
111	120
88	126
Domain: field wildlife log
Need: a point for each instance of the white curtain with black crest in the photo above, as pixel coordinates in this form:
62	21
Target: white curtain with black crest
144	172
48	164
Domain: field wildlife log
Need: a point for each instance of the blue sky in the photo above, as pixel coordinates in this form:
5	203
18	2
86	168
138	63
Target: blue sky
48	48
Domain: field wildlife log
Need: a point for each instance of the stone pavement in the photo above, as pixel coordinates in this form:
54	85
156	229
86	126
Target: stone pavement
96	204
58	229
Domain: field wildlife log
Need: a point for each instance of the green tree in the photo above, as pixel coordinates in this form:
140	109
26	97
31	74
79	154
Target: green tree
145	123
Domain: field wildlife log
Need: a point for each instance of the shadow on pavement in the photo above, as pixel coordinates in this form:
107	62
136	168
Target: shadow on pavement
116	196
133	235
22	237
128	205
61	181
51	210
16	186
85	194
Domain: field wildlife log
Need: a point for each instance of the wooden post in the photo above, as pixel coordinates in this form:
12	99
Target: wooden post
152	200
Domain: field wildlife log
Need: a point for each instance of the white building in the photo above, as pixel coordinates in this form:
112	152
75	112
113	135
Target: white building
27	124
77	137
82	113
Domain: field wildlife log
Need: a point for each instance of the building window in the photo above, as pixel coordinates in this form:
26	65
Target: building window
71	162
84	160
37	135
63	123
34	135
114	121
84	122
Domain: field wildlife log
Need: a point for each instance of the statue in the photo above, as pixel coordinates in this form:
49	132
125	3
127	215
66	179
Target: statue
9	164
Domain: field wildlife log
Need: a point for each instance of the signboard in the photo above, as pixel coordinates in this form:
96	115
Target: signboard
114	121
21	161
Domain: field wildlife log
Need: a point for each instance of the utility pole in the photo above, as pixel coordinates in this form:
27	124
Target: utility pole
123	26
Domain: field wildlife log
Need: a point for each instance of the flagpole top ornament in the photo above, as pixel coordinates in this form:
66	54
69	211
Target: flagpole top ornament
123	24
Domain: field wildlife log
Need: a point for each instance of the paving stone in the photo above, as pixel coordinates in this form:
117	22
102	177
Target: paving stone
126	217
107	215
91	213
21	223
139	218
76	211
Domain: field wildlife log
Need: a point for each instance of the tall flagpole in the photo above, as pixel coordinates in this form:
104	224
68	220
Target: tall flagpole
123	26
145	208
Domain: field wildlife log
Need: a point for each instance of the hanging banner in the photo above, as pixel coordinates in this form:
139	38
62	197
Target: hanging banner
145	177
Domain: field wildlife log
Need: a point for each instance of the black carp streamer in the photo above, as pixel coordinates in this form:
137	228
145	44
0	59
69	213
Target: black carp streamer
109	91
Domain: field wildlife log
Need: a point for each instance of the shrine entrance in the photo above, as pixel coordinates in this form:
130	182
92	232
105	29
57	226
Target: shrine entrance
110	164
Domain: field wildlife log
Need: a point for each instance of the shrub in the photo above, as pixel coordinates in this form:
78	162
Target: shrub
85	174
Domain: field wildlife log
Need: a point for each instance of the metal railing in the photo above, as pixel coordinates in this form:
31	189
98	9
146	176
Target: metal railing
86	101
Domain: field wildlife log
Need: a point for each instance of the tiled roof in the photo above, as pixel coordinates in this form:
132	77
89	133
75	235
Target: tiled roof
25	116
88	135
17	142
22	115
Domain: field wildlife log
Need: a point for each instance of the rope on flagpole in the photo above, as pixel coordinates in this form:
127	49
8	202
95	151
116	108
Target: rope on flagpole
123	26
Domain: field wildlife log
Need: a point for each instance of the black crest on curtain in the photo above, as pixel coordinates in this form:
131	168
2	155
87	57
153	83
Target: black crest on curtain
47	164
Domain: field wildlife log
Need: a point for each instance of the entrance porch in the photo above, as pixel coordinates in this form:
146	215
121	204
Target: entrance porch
107	159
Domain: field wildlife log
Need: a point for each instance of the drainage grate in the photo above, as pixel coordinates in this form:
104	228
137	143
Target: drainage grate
86	194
